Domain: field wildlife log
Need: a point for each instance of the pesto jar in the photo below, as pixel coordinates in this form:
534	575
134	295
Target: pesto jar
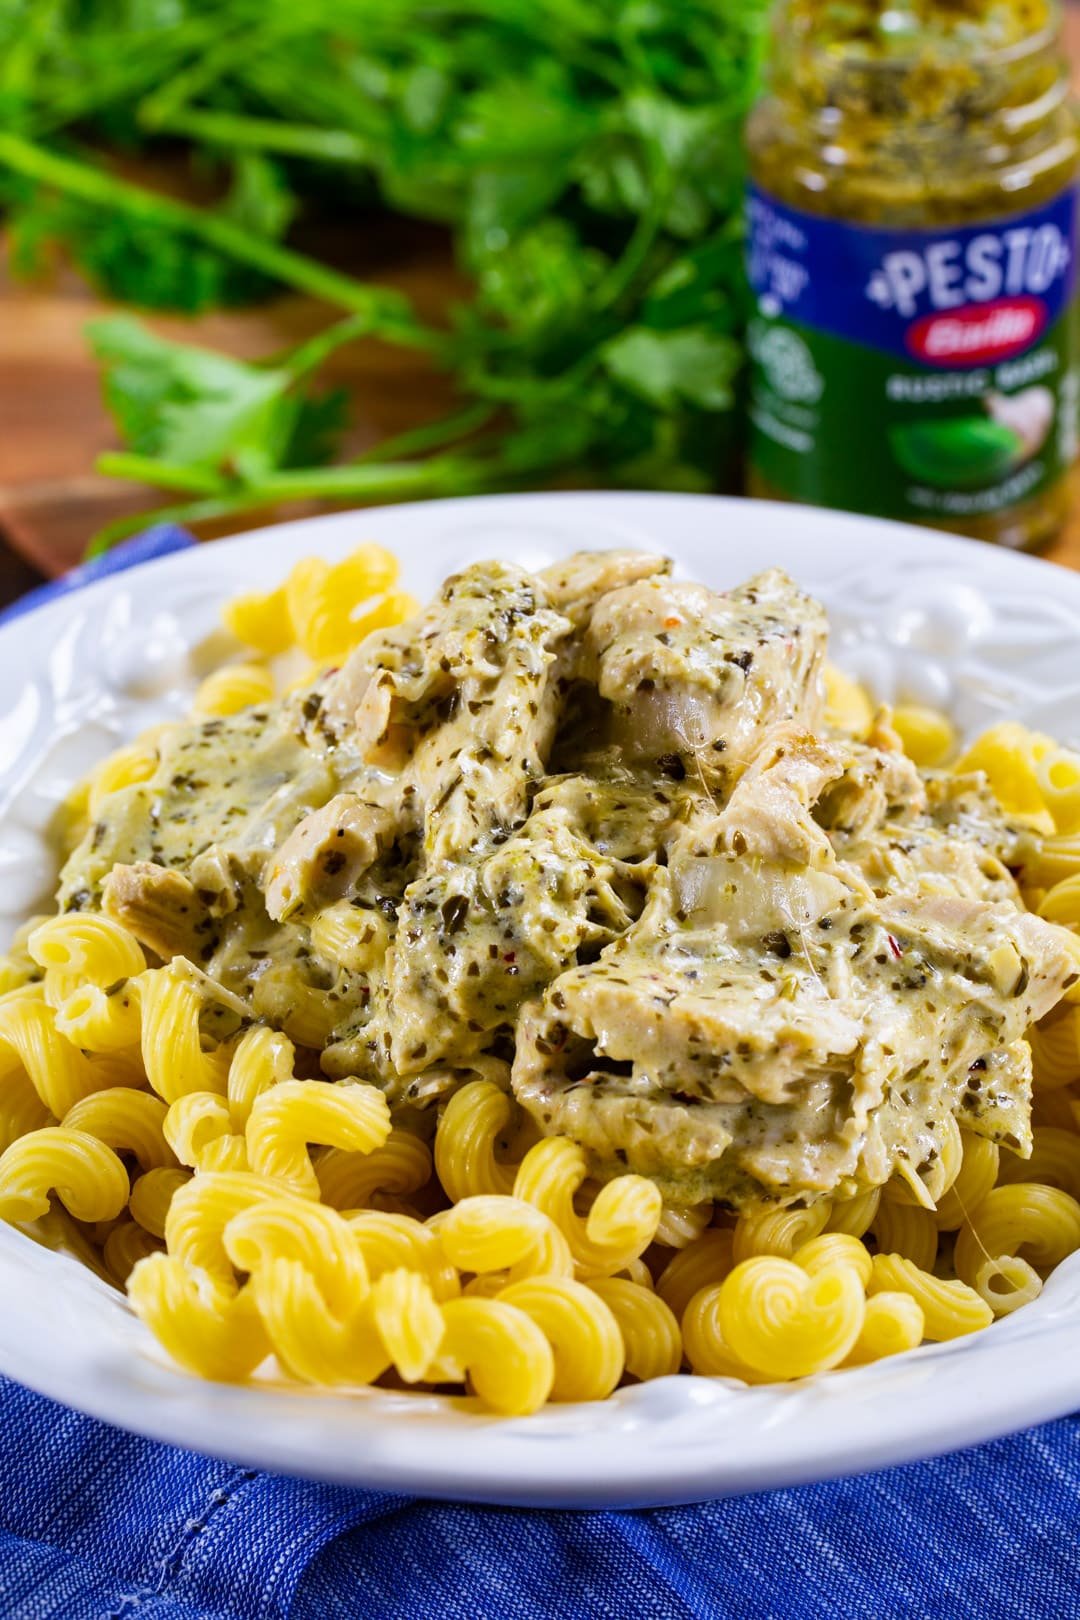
913	238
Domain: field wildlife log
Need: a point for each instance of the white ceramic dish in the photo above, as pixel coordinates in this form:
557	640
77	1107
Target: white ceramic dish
917	616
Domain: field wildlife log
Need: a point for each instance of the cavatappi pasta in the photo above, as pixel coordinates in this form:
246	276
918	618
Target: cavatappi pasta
255	1211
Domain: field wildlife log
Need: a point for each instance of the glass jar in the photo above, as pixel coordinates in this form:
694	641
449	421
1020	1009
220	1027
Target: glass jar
913	237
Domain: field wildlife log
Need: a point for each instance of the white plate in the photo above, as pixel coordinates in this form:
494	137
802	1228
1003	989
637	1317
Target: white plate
986	633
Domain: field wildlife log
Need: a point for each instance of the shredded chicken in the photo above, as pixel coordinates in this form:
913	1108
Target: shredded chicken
586	831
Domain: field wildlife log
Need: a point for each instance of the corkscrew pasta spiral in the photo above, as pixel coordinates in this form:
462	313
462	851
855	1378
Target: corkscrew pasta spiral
206	1130
475	1119
390	1241
30	1043
125	767
905	1229
285	1119
126	1121
86	1175
950	1309
504	1352
172	1045
621	1223
702	1263
707	1350
979	1167
235	687
892	1324
786	1322
1024	1220
212	1332
402	1164
778	1231
582	1331
652	1342
1054	1162
152	1195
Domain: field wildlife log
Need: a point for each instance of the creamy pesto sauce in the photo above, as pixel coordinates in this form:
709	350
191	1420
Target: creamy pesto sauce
587	826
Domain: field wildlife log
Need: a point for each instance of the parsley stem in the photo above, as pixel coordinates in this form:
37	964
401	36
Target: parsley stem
385	482
388	313
232	130
185	479
430	435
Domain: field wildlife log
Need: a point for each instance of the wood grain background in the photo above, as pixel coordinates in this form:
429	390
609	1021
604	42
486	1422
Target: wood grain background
53	423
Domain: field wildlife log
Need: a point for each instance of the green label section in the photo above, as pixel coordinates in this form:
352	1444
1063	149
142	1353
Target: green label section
836	424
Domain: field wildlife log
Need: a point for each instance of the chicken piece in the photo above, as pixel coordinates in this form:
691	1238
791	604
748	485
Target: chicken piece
476	940
324	856
693	676
575	586
225	794
996	1101
458	706
161	908
813	1029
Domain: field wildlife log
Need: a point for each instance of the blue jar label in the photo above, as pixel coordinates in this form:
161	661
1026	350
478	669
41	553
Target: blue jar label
918	374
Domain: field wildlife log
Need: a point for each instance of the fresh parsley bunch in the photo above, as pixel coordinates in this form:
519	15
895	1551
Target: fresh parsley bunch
585	154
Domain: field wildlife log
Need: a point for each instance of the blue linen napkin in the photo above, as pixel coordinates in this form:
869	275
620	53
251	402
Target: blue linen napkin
96	1524
99	1525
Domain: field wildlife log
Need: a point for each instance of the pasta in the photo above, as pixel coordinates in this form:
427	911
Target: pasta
1058	774
700	1265
86	1175
316	607
1054	1162
127	1121
847	707
926	1190
168	1133
171	1039
352	1180
1034	1223
285	1119
907	1230
835	1249
778	1231
31	1044
980	1166
1055	1049
582	1331
125	1246
475	1119
506	1355
621	1223
124	768
17	966
786	1322
1008	756
213	1333
236	687
950	1309
652	1342
681	1226
151	1198
706	1349
1006	1283
855	1216
928	736
892	1324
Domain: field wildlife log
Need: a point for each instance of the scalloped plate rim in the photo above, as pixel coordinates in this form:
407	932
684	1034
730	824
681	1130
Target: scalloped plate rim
680	1439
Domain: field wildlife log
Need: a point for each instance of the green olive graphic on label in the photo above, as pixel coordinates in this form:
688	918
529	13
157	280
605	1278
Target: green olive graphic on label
972	452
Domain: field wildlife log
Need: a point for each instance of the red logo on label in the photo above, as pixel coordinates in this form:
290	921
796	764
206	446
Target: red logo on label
979	333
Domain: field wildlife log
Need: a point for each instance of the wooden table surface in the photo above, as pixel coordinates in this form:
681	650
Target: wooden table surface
53	422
